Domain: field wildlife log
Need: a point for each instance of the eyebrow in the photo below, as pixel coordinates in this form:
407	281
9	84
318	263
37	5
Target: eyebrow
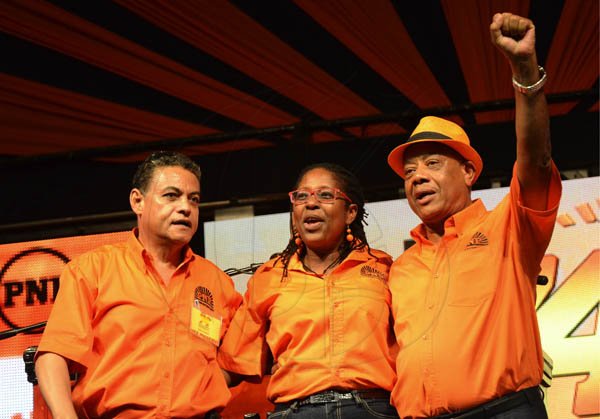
177	190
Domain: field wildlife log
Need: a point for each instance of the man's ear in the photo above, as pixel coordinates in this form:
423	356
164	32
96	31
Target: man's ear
136	200
469	172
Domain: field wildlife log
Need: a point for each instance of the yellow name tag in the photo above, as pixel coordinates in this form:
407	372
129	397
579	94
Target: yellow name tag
205	325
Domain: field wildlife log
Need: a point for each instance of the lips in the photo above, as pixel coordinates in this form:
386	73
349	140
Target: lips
184	223
423	196
312	222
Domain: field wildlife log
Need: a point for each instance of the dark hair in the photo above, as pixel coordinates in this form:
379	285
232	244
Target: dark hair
145	170
350	185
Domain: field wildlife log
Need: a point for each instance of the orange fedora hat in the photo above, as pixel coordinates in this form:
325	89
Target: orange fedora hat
434	129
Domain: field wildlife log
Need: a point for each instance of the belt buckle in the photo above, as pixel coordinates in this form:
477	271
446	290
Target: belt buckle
345	396
324	397
328	397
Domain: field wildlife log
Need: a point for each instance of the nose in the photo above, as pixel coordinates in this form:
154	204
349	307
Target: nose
420	175
184	206
312	200
418	178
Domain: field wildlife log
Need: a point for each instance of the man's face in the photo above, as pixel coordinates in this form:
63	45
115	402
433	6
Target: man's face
168	211
437	181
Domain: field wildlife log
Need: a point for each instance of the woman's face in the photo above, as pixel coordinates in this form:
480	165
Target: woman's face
321	225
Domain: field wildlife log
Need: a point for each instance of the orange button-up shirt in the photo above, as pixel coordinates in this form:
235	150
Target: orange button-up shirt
130	334
464	311
323	332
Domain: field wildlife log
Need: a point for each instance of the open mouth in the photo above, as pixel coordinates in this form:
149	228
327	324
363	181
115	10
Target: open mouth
312	222
185	223
423	196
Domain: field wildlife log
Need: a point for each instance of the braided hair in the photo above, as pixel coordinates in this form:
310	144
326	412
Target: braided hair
350	185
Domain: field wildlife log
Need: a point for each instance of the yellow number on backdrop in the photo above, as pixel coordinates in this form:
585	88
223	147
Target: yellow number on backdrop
559	315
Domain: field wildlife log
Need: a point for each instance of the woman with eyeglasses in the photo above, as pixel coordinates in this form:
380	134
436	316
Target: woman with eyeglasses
320	309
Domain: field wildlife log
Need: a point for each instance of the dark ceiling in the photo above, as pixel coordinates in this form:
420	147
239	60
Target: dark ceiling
255	90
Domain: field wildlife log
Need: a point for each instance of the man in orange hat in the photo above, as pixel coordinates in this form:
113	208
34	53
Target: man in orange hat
463	297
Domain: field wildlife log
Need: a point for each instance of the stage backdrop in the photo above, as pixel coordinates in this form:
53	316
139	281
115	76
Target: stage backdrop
567	306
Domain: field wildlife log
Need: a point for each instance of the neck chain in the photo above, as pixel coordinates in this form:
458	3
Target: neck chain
337	261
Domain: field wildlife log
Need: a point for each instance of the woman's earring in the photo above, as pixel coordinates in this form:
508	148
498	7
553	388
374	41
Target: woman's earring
349	235
297	240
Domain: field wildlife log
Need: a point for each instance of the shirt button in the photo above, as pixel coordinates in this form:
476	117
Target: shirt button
424	337
166	375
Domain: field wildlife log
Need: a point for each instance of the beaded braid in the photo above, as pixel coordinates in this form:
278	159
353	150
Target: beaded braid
350	185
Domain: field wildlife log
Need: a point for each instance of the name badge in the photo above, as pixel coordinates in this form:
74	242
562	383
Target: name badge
204	324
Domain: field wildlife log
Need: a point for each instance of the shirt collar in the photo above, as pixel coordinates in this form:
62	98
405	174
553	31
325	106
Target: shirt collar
141	255
455	224
136	249
357	255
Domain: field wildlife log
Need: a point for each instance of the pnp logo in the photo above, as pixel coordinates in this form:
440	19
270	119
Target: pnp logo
29	283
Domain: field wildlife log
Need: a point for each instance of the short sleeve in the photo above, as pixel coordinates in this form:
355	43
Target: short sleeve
244	349
68	332
531	230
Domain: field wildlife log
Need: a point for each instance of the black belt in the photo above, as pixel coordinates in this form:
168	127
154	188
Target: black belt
332	396
212	414
496	406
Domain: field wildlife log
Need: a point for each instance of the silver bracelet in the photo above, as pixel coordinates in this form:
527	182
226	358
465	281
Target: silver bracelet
529	90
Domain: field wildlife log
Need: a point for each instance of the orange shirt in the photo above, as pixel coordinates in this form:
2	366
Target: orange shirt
324	332
464	312
131	334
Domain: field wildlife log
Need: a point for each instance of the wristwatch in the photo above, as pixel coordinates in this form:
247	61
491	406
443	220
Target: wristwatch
529	90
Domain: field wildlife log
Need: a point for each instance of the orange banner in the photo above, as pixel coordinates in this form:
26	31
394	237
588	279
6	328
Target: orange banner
29	275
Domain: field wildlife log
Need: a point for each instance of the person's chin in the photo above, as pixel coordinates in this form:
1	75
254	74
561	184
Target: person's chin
313	239
428	215
182	237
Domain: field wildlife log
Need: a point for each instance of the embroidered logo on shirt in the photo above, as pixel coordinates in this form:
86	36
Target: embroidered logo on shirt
372	273
479	239
204	296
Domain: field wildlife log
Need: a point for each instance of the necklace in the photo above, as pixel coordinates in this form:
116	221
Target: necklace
337	261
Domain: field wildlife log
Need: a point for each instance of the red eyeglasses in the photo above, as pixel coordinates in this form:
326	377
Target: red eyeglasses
323	195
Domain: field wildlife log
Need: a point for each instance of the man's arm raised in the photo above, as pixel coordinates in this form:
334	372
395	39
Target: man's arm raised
514	36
